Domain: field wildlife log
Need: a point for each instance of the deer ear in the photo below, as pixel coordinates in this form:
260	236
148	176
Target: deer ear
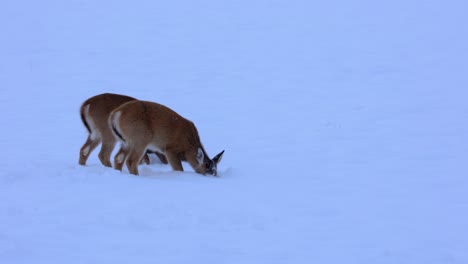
200	155
218	157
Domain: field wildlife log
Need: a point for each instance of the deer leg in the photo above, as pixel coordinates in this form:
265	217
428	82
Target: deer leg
120	158
161	157
174	161
133	160
145	159
87	148
106	151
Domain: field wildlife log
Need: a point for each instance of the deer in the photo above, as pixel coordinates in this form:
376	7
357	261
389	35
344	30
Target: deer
143	126
95	113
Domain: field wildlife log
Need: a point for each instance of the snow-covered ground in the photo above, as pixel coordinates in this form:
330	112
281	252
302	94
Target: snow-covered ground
345	126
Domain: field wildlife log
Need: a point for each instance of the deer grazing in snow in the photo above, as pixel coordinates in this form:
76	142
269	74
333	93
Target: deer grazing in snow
144	126
95	114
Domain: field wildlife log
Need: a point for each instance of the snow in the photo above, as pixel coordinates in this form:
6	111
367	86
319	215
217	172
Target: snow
344	125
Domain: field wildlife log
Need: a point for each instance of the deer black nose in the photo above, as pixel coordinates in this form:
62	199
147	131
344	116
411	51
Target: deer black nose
213	172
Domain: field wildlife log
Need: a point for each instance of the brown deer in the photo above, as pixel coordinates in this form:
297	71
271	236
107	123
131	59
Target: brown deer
145	126
95	114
